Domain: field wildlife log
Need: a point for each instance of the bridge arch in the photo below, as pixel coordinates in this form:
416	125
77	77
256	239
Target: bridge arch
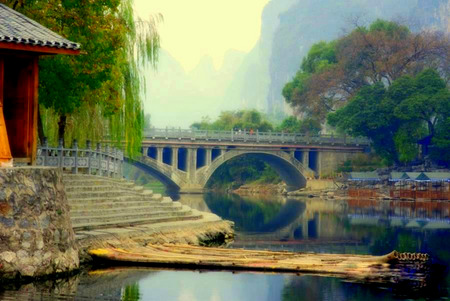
161	172
289	168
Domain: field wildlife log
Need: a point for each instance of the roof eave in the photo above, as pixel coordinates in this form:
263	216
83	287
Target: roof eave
38	49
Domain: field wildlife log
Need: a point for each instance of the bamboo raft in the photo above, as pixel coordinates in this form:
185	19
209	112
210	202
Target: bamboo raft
393	267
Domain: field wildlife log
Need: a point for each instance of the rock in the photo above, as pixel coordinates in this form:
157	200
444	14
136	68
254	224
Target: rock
26	245
8	256
40	244
28	271
34	218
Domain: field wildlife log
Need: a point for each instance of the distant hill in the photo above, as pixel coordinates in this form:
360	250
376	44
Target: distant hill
176	98
255	79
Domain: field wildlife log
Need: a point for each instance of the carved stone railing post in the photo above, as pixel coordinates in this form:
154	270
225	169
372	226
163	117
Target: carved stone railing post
115	163
107	160
75	155
45	151
89	155
99	159
60	153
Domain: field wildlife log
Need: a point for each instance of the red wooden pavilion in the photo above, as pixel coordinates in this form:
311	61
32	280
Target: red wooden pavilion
22	41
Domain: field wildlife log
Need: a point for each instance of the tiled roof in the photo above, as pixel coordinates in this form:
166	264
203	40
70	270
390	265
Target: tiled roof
16	28
434	176
397	176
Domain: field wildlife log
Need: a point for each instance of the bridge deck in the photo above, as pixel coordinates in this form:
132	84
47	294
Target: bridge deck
250	144
354	267
247	137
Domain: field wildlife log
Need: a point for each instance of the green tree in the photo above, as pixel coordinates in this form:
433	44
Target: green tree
304	126
370	114
228	120
106	75
399	117
333	73
440	151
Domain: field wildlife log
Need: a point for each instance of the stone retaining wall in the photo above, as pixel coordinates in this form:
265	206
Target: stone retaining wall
36	236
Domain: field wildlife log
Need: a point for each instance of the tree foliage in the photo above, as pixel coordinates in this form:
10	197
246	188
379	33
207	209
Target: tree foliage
400	117
105	77
237	120
333	72
292	124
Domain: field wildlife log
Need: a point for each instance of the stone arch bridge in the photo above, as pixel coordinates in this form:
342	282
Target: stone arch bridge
184	160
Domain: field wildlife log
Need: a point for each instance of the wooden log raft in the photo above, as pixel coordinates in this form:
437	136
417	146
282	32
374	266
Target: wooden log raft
364	268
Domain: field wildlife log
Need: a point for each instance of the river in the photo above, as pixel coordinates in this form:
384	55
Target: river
307	225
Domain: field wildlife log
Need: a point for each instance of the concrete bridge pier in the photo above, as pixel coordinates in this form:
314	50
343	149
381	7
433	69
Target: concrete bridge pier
174	158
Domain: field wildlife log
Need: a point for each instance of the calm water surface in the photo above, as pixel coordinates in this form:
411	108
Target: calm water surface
360	227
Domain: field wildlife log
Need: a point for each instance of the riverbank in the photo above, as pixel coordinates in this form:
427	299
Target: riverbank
49	220
209	231
313	186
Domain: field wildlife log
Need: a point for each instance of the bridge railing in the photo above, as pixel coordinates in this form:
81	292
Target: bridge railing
99	161
253	136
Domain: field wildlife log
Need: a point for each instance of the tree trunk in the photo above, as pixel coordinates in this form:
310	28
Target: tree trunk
40	129
62	127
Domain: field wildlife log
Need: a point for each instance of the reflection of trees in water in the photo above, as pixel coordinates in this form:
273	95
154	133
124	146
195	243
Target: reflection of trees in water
309	288
252	215
131	293
416	209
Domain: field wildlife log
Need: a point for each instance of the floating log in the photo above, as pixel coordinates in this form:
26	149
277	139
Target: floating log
365	268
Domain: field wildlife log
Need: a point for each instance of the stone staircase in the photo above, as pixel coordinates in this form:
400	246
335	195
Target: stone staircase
100	202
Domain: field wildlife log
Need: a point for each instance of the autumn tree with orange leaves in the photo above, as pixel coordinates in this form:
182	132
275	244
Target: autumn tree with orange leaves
333	72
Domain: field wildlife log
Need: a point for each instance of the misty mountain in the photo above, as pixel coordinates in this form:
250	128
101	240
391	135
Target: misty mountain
255	80
178	99
250	87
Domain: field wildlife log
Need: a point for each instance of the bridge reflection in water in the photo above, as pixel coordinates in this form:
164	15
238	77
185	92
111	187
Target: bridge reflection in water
355	226
343	226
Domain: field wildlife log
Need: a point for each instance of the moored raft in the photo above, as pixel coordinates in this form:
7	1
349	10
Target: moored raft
393	267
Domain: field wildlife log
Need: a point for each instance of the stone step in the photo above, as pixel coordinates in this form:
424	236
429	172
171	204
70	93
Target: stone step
95	211
84	188
110	205
96	182
105	194
124	217
116	198
137	221
91	177
123	200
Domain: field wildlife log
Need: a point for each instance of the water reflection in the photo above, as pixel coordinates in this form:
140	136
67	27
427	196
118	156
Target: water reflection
254	215
355	226
131	293
152	284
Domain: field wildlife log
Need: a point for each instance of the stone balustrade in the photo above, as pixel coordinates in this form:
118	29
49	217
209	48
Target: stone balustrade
105	161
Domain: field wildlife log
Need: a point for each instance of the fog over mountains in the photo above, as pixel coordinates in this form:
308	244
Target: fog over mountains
255	80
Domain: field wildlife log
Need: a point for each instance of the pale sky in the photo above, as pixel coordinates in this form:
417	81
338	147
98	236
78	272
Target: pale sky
194	28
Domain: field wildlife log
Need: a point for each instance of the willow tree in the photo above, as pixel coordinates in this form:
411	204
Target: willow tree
104	80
